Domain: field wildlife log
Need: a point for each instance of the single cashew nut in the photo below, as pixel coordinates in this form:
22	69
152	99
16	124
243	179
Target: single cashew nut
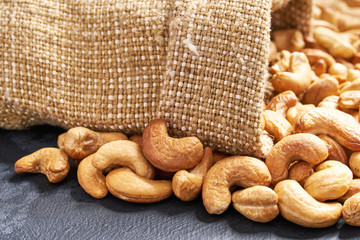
127	185
80	142
314	55
354	163
350	210
319	67
329	102
338	69
187	184
354	188
61	140
282	102
334	123
53	162
353	75
350	99
300	172
237	170
351	86
321	89
297	206
258	203
306	147
276	125
289	39
282	64
296	111
170	154
336	151
91	179
330	181
123	153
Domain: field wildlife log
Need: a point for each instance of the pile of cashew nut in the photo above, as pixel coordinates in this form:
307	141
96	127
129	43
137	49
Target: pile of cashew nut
311	176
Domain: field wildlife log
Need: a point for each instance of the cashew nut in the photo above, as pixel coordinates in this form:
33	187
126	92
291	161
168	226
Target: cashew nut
276	125
123	153
307	147
338	69
351	86
218	156
289	39
320	89
319	67
334	123
170	154
258	203
282	102
300	172
91	179
297	206
329	102
237	170
354	188
351	211
354	163
187	184
330	181
296	111
53	162
80	142
353	75
314	55
282	64
350	99
127	185
61	140
336	151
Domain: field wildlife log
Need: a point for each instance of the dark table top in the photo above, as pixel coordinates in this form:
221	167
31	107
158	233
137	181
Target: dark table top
33	208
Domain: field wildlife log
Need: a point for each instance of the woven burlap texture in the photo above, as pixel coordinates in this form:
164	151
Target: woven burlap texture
115	65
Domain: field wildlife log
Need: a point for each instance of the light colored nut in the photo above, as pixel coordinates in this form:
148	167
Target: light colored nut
61	140
187	184
350	99
351	86
53	162
80	142
218	156
319	67
306	147
353	74
351	211
276	125
330	181
354	163
297	206
258	203
329	102
126	185
283	62
354	188
282	102
323	23
334	123
237	170
298	77
297	110
334	42
338	69
170	154
336	151
300	172
123	153
314	55
91	179
289	39
321	89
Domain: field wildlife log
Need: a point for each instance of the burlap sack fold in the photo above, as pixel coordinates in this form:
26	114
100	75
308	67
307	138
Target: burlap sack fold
115	65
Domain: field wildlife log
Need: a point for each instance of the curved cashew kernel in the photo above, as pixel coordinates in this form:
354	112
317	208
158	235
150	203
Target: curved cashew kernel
218	156
126	185
80	142
320	89
336	151
330	181
91	179
300	172
354	188
258	203
333	42
187	184
319	67
237	170
282	102
314	55
289	39
167	153
329	102
353	75
137	139
354	163
307	147
276	125
282	64
349	86
53	162
338	69
297	79
297	206
334	123
296	111
61	140
123	153
350	99
350	210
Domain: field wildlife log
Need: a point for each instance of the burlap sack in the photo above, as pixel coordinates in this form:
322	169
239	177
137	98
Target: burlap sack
114	65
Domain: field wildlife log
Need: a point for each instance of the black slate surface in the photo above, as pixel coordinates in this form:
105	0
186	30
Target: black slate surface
33	208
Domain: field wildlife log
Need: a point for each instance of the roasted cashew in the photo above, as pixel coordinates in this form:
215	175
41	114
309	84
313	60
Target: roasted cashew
170	154
237	170
282	102
353	75
300	172
91	179
61	140
289	39
334	123
297	206
53	162
320	89
80	142
351	86
187	184
314	55
350	99
127	185
338	69
354	188
258	203
354	163
298	77
351	211
307	147
123	153
319	67
296	111
336	151
282	65
276	125
330	181
329	102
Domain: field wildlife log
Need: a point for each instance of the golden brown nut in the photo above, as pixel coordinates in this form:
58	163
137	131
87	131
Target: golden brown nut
217	156
91	179
351	211
297	206
282	64
353	75
61	140
296	111
170	154
350	99
237	170
336	151
329	102
319	67
126	185
321	89
354	188
289	39
351	86
300	172
282	102
314	55
276	125
338	69
258	203
354	163
53	162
